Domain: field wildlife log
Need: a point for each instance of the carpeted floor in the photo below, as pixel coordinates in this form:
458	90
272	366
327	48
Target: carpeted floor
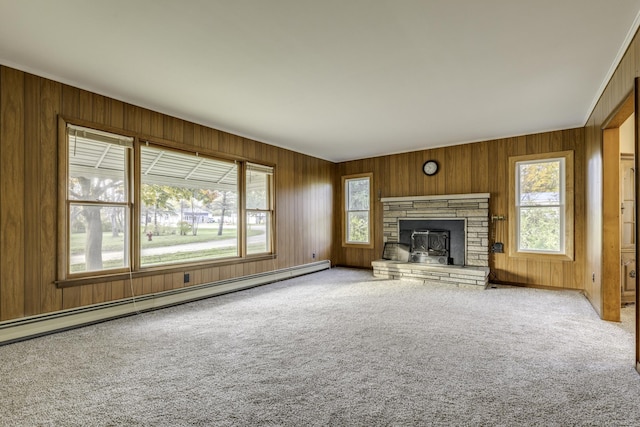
334	348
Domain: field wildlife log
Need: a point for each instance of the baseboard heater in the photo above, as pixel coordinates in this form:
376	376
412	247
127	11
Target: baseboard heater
33	326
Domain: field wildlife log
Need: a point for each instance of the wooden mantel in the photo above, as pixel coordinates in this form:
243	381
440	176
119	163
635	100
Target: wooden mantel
436	197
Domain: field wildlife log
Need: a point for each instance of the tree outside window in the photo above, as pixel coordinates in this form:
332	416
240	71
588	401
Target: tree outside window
98	200
189	207
541	202
542	208
259	208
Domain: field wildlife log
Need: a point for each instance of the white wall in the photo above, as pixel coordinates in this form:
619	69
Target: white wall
627	142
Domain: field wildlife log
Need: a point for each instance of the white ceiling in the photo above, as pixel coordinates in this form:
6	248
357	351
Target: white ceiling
336	79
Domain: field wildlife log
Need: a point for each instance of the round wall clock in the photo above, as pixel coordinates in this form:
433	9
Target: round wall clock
430	167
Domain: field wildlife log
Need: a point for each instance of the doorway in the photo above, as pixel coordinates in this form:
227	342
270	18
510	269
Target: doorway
618	252
627	224
619	231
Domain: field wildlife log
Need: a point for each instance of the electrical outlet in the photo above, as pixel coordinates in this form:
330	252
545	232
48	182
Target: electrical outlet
593	277
313	255
186	277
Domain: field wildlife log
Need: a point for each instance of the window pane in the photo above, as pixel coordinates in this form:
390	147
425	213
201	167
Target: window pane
540	229
98	237
358	194
539	183
189	208
358	227
258	232
96	170
257	190
259	208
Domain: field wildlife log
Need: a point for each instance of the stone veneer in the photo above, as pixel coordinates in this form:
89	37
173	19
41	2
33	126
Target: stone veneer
454	275
472	207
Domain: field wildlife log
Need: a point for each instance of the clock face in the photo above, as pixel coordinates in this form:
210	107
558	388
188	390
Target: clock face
430	167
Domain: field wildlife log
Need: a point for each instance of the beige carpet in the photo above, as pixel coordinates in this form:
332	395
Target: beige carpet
334	348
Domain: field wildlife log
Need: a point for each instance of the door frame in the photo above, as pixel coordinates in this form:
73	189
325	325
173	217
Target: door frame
636	90
611	268
610	291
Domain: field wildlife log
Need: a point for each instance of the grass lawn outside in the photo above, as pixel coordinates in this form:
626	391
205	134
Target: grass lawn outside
113	247
176	257
110	243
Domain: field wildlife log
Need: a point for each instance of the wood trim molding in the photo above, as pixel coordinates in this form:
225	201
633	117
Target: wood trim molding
371	243
569	236
611	224
621	113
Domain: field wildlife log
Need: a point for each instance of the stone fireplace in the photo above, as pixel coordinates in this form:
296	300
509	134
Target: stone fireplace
462	218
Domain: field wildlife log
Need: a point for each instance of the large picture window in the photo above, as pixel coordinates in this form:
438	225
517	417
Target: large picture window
189	207
542	205
356	218
129	206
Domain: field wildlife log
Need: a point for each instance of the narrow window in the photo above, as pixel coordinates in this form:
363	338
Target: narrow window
189	207
259	209
98	201
542	214
357	228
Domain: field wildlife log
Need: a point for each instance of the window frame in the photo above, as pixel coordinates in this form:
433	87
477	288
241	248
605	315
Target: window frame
567	182
65	203
345	212
270	210
138	247
66	278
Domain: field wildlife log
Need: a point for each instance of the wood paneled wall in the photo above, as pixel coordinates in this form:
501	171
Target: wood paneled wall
29	109
307	192
605	297
474	168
